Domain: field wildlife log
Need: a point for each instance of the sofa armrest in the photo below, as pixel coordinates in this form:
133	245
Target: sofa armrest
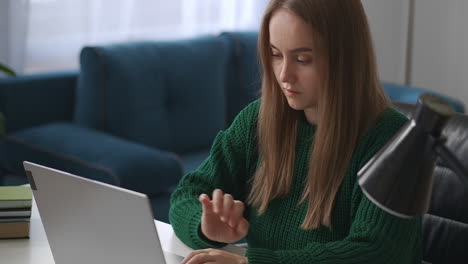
410	94
94	155
32	100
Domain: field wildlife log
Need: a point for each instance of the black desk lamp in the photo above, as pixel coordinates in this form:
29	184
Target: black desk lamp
399	177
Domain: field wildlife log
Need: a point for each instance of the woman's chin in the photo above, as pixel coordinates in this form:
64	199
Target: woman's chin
295	105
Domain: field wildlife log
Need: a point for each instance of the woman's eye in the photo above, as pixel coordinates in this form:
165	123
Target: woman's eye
303	60
275	54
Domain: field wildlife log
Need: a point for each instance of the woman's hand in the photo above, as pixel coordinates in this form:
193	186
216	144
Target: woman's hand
222	218
214	256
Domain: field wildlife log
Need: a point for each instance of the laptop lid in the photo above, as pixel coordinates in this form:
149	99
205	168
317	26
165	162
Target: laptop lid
92	222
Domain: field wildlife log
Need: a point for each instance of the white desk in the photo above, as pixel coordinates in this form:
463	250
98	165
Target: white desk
36	249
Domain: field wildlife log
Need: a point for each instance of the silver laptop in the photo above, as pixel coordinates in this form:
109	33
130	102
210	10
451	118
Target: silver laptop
92	222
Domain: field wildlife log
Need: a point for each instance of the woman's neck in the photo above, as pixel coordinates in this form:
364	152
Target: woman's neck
311	115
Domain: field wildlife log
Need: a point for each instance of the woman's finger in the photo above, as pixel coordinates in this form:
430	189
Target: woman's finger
203	197
217	201
198	256
191	255
227	208
207	205
236	214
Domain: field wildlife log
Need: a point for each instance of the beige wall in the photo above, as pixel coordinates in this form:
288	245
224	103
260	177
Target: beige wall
440	50
388	20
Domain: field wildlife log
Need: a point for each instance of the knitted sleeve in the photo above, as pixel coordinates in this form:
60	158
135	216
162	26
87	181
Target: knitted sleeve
224	169
375	236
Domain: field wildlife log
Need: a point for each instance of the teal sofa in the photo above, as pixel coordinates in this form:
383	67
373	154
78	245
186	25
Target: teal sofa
136	115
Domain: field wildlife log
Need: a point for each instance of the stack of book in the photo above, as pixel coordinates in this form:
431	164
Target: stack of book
15	211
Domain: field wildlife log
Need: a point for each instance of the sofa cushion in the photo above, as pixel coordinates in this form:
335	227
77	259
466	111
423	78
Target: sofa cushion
160	205
168	95
191	161
92	154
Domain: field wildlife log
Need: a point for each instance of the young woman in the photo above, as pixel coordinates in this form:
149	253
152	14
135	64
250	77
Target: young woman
284	175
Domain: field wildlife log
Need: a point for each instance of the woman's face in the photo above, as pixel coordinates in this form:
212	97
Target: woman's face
295	60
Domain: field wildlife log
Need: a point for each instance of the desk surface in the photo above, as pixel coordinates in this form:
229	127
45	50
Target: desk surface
36	249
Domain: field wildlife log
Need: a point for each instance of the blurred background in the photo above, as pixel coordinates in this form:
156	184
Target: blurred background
423	43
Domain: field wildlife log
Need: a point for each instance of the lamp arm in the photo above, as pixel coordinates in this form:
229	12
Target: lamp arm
452	161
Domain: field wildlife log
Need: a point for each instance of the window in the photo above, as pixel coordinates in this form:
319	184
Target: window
58	29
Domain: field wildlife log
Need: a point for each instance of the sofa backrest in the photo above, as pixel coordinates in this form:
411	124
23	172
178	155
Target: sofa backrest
167	95
445	226
243	78
176	95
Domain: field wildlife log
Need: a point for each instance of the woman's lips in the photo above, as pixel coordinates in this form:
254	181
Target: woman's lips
290	92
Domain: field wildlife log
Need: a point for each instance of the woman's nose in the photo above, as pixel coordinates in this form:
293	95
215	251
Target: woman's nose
287	74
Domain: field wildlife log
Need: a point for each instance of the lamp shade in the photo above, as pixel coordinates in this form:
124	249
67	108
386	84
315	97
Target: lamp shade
399	177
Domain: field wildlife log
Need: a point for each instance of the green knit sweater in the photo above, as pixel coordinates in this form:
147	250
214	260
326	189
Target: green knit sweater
361	233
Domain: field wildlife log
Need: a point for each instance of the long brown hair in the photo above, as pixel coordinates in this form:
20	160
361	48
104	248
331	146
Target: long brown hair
349	102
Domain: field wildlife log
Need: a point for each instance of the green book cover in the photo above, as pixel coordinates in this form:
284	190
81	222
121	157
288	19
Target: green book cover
15	197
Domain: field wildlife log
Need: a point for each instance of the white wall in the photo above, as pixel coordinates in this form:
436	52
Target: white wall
440	50
388	20
13	30
4	25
